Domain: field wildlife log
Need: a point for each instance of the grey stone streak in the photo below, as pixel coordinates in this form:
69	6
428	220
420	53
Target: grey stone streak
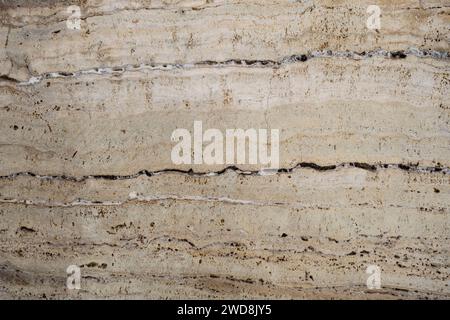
263	172
118	70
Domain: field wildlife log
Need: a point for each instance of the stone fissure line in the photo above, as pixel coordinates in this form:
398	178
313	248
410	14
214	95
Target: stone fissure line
237	170
244	63
133	197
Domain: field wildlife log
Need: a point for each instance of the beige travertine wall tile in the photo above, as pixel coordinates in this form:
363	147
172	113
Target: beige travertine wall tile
86	176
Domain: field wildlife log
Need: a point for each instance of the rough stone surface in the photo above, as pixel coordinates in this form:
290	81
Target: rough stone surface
86	176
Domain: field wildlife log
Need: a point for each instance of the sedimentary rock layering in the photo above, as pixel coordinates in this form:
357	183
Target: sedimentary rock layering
87	178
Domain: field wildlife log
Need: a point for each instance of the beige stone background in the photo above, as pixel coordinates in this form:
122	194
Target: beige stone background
85	171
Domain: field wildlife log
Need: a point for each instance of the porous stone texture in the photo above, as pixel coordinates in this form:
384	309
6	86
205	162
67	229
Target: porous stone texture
86	176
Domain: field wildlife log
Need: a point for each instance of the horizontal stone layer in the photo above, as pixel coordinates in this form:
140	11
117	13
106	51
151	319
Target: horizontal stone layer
302	188
328	111
303	234
36	39
168	268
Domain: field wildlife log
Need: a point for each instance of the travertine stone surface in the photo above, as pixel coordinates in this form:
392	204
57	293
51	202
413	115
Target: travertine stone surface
86	176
